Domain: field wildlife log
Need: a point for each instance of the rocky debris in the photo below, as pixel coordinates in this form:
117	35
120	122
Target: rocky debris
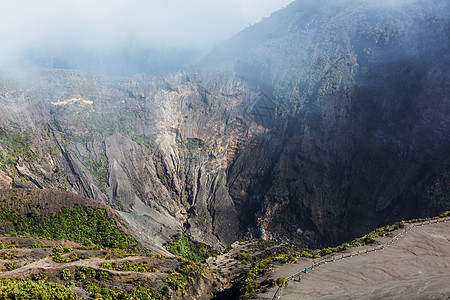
5	181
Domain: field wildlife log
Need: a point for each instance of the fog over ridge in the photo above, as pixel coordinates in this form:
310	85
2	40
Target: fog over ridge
105	27
119	37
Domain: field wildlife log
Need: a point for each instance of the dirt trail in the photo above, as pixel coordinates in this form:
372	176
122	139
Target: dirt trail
47	263
416	266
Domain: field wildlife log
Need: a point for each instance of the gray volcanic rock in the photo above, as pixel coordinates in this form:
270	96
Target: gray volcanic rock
5	181
328	119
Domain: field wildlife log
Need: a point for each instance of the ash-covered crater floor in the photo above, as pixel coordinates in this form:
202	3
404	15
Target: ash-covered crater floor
417	266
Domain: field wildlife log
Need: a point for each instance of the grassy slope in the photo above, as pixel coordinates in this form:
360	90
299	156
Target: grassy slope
56	215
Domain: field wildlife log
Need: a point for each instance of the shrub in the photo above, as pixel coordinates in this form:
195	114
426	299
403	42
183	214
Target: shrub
64	274
183	276
183	246
244	258
79	275
6	246
130	266
83	273
27	289
58	251
306	254
136	293
91	287
7	255
106	265
193	144
281	281
40	276
93	225
262	244
11	266
325	251
246	285
102	275
39	246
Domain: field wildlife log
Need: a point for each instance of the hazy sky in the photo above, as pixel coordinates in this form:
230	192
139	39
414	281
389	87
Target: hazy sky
104	25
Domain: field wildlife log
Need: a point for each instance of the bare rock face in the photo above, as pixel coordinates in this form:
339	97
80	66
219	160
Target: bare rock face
312	134
5	181
157	147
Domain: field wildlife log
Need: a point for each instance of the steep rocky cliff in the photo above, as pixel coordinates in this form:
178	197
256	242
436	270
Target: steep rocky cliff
317	124
155	146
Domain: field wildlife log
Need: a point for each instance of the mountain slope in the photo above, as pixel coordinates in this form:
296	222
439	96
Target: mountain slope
322	122
84	247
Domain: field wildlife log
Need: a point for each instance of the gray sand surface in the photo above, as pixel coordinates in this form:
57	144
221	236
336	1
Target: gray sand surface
417	266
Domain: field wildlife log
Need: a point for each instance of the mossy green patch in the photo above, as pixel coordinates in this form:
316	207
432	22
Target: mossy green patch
27	289
93	226
183	276
183	246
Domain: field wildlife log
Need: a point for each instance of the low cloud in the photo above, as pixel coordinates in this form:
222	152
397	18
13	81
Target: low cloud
104	26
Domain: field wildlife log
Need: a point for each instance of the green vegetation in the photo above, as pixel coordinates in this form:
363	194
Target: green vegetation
106	266
193	144
83	273
6	246
7	255
12	147
262	244
58	251
163	179
443	215
65	274
94	227
281	281
245	286
96	128
366	239
244	258
183	246
11	266
183	276
126	124
98	170
40	277
137	293
40	246
15	289
129	266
